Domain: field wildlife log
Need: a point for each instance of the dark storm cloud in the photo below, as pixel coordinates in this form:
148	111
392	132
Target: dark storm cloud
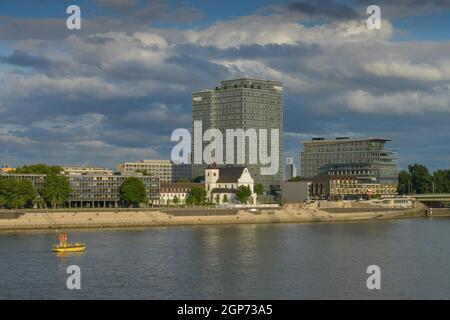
252	51
119	95
404	8
204	69
118	5
24	59
415	138
123	16
14	29
325	9
356	9
151	10
410	3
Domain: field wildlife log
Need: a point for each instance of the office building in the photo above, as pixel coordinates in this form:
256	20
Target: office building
349	168
38	180
290	170
94	190
6	169
296	192
242	104
349	187
165	170
79	170
103	190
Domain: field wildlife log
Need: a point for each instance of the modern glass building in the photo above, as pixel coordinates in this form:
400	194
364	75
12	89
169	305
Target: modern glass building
94	190
290	169
103	190
349	157
242	104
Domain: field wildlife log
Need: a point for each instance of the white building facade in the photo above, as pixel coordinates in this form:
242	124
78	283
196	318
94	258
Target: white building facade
176	193
221	184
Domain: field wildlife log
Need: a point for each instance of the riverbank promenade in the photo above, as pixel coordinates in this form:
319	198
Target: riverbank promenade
66	219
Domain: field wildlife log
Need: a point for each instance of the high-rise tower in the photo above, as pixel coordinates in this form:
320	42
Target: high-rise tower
244	103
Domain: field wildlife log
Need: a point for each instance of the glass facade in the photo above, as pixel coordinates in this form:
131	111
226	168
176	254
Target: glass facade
242	104
359	157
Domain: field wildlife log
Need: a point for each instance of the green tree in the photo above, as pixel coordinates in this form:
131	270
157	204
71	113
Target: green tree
295	179
225	198
199	179
39	169
16	193
183	180
190	199
56	190
243	194
198	195
145	172
38	202
175	200
404	182
259	189
132	191
3	193
441	180
420	178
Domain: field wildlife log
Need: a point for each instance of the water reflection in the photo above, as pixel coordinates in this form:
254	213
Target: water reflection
289	261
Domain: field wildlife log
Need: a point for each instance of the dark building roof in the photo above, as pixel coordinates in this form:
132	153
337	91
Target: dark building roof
179	186
223	190
229	174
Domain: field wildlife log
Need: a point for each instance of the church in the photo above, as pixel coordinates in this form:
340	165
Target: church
221	183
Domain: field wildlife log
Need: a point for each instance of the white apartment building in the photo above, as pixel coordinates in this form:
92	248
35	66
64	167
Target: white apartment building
179	191
83	170
165	170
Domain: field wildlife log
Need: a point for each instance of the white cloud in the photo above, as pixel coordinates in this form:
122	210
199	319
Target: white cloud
103	149
337	64
15	140
73	88
404	102
277	29
7	128
410	71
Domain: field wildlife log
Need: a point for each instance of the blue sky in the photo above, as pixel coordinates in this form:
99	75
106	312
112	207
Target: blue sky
115	90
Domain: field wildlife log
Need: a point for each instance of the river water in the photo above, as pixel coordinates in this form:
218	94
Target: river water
273	261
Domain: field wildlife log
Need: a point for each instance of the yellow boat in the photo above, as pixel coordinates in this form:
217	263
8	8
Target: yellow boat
64	246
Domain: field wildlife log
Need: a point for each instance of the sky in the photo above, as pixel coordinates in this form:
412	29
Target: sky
116	89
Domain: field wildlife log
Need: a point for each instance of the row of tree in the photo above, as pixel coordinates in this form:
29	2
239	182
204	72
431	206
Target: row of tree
418	180
15	193
39	169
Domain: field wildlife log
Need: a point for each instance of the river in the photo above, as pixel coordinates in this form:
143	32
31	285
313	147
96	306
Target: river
270	261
